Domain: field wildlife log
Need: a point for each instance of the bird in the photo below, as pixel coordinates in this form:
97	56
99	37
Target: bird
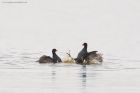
82	54
88	57
47	59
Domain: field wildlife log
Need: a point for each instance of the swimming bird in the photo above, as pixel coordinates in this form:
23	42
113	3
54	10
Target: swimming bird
47	59
88	57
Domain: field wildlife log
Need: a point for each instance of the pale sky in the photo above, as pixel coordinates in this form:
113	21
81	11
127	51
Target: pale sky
110	26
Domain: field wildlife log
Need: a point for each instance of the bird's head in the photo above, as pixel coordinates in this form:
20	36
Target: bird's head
84	44
54	50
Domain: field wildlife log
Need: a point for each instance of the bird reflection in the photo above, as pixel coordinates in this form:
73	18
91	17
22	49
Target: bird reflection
53	74
84	75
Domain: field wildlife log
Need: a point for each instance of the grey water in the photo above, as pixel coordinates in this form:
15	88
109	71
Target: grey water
19	73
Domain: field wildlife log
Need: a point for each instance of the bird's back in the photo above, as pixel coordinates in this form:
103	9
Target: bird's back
45	59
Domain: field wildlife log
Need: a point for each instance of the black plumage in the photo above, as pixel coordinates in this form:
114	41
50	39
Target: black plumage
82	54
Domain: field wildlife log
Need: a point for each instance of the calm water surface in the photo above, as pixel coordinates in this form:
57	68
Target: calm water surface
19	73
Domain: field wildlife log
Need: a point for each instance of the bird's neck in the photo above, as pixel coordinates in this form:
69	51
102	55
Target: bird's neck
85	48
54	57
53	54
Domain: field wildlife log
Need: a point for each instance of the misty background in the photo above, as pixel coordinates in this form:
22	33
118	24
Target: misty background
109	26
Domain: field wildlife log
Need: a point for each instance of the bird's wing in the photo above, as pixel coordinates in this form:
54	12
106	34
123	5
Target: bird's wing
91	55
94	56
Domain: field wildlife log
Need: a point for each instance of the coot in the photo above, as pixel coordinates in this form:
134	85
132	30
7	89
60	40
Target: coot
47	59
